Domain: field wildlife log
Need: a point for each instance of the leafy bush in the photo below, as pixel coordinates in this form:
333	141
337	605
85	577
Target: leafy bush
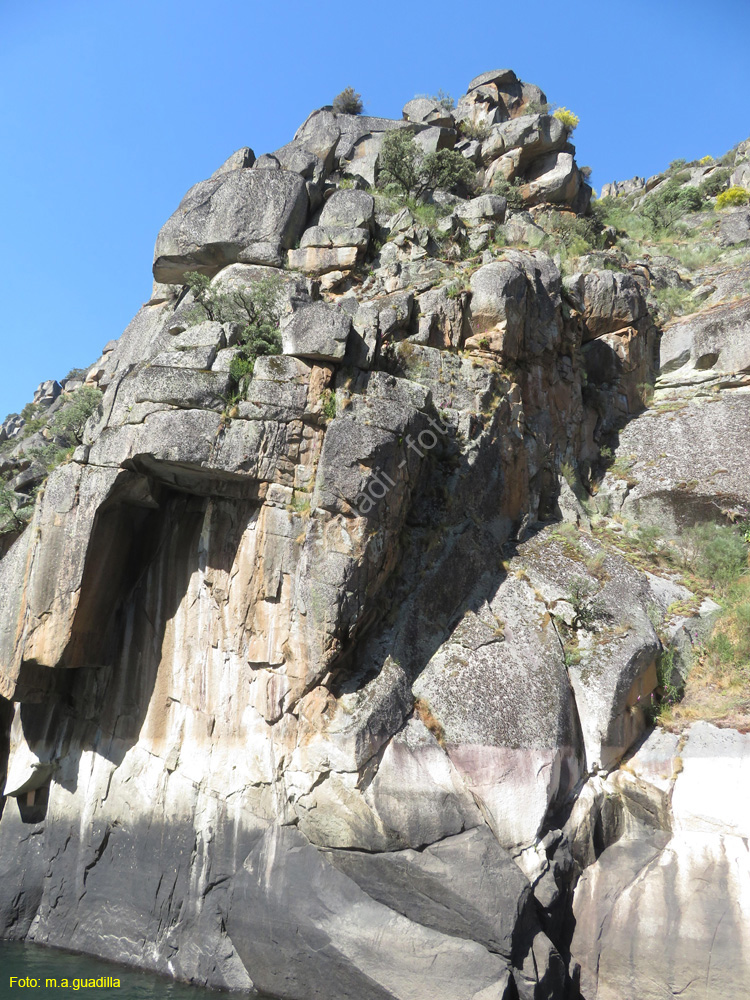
328	403
670	203
575	234
673	301
444	100
535	108
677	165
587	610
732	196
508	191
469	130
715	183
705	161
348	102
569	120
257	308
12	516
68	423
719	552
76	374
405	167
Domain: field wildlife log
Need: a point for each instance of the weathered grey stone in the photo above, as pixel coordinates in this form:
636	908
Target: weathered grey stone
499	77
498	306
207	334
466	886
607	301
318	331
442	321
348	210
553	177
47	392
239	278
486	206
332	236
321	260
249	216
241	160
678	461
354	128
428	111
706	346
201	358
479	107
433	139
320	135
184	388
662	908
509	727
735	225
335	937
531	135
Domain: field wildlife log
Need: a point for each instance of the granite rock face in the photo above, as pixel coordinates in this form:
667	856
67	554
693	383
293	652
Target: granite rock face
298	688
671	894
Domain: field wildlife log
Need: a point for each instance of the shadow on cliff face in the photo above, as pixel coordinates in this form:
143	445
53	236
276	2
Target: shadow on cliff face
477	498
139	565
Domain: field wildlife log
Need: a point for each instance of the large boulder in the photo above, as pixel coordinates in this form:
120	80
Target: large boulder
514	741
248	216
305	929
348	210
678	464
607	300
318	331
552	177
662	912
525	138
711	346
428	111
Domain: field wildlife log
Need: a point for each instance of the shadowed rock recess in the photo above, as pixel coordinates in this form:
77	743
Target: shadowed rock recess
320	683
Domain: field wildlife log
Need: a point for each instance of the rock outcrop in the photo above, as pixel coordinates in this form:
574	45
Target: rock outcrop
310	682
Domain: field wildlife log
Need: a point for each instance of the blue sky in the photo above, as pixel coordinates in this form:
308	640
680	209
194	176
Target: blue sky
111	109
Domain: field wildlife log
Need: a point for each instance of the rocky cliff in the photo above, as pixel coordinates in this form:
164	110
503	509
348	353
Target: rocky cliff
333	671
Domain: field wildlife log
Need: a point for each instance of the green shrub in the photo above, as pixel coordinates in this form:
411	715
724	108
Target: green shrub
719	552
468	130
257	308
715	183
444	100
509	191
240	370
673	301
328	403
577	234
348	102
587	609
12	516
677	165
664	207
535	108
732	196
68	423
569	120
406	168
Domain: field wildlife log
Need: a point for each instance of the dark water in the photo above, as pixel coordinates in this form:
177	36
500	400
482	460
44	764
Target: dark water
39	963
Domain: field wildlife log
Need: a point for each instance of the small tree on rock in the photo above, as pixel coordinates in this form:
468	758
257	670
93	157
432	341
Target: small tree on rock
68	424
348	102
404	166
